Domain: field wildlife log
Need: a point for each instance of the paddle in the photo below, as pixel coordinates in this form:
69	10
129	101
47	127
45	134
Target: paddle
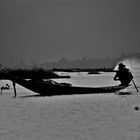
135	85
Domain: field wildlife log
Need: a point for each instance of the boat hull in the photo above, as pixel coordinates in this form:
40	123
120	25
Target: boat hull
50	89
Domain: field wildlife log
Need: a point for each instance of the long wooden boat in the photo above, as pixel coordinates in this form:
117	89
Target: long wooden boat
50	87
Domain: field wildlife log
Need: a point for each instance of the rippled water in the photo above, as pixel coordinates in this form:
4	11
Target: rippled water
84	79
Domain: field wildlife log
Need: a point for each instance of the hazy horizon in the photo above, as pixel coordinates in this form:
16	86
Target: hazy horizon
35	31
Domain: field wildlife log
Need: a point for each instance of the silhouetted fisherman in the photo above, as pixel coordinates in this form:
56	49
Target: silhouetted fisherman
123	75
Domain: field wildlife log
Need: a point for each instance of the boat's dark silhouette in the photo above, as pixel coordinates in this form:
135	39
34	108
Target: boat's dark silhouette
50	87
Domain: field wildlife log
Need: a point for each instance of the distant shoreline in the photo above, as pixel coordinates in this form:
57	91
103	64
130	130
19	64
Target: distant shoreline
94	70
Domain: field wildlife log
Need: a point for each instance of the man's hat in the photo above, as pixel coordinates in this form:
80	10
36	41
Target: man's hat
121	65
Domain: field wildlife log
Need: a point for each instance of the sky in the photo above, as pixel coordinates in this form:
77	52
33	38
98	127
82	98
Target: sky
47	30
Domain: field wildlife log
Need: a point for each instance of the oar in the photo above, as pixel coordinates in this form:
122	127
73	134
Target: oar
135	85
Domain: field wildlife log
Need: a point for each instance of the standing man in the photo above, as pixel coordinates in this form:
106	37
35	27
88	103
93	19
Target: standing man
123	75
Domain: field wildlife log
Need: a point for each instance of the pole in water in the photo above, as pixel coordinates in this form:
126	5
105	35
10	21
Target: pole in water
14	85
135	85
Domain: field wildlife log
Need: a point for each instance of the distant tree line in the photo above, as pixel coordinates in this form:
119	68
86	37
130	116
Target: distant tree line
85	69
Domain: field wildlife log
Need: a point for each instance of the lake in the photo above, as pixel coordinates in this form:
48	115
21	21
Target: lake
71	117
